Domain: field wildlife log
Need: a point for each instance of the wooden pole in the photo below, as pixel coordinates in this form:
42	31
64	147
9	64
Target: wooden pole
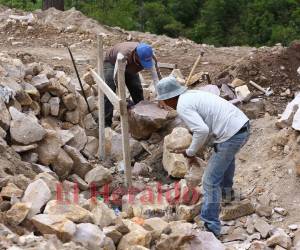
194	68
101	113
124	119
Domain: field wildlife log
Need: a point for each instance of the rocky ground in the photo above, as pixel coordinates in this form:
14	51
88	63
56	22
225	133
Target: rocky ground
56	194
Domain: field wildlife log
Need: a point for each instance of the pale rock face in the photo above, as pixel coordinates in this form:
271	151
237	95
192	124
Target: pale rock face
25	130
63	164
81	166
18	212
90	236
80	139
54	224
176	164
98	176
49	147
37	193
11	190
137	236
71	211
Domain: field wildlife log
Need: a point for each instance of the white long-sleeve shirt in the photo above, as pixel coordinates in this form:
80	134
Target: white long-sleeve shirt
207	114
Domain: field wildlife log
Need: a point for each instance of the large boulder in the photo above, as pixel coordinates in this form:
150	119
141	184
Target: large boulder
17	213
98	176
90	236
49	148
37	193
70	211
137	236
63	164
146	118
25	129
176	164
54	224
113	145
81	166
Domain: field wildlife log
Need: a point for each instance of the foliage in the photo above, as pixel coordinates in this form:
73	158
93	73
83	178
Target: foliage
218	22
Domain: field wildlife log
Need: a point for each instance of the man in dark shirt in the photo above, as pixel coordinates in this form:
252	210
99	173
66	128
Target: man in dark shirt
139	56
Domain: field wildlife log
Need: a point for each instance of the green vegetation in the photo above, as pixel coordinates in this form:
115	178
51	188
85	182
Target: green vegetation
218	22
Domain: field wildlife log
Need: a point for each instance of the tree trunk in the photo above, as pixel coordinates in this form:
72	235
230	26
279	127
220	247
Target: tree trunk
57	4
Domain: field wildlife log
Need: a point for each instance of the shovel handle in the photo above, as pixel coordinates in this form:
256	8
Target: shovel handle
194	68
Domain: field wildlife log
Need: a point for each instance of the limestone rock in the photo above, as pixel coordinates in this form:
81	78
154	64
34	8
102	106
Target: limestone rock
140	169
4	116
63	164
54	105
49	147
157	225
102	215
80	139
113	145
146	118
69	101
242	92
37	193
91	148
21	149
73	116
259	245
113	233
280	238
17	213
188	213
263	211
11	190
25	130
65	135
40	81
2	132
54	224
137	236
148	205
70	211
80	182
45	97
176	164
81	166
90	236
241	209
236	83
262	227
98	176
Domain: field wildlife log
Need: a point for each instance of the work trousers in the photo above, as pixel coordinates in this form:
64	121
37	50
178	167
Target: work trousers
218	178
133	84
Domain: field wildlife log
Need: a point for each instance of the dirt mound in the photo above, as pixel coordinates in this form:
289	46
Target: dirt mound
271	67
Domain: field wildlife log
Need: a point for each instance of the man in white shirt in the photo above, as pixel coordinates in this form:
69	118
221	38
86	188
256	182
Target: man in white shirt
210	118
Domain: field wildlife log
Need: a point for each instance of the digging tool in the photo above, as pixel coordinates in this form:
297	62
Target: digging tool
194	68
79	80
266	91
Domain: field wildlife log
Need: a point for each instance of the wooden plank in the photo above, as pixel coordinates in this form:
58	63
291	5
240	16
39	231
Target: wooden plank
124	119
101	114
167	65
114	99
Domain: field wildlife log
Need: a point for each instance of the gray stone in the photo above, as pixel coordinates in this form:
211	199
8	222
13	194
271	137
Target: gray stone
280	238
73	116
263	211
80	139
98	176
37	193
26	130
81	166
54	106
63	164
262	227
45	97
146	118
21	149
40	81
69	101
81	183
55	224
91	148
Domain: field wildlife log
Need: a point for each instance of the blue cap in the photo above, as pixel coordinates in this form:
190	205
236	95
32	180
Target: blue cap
145	54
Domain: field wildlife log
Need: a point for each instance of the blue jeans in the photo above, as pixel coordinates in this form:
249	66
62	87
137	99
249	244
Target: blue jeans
218	177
